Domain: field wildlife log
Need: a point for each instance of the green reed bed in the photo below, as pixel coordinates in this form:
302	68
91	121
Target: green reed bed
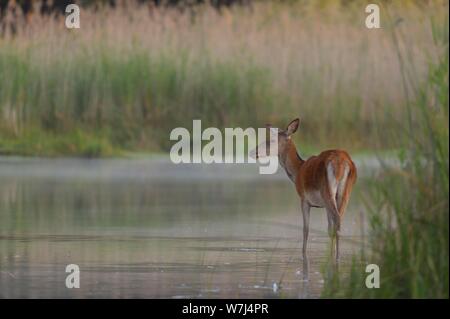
130	101
129	76
409	206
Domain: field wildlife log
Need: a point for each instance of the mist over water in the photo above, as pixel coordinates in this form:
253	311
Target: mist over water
148	228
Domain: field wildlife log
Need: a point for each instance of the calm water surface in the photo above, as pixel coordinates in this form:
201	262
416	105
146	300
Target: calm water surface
147	228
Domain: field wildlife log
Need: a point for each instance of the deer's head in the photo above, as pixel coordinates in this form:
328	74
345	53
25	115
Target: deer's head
278	142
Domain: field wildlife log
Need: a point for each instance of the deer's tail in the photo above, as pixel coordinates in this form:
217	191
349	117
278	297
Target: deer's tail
341	175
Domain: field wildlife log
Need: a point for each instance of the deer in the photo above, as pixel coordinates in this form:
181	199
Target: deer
322	181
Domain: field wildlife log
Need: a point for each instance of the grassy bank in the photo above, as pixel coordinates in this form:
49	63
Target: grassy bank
130	75
409	206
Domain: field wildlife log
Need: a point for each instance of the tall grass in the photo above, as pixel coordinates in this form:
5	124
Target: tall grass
131	74
409	206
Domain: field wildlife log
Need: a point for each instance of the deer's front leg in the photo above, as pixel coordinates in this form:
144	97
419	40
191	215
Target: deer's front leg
305	211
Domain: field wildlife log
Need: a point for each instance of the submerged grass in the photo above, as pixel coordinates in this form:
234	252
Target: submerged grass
409	206
130	75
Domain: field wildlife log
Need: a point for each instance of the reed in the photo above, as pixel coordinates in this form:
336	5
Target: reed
409	206
131	74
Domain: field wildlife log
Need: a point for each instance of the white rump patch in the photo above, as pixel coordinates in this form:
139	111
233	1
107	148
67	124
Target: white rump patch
332	181
341	185
337	188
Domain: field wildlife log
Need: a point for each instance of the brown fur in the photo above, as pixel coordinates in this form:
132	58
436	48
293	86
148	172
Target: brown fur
311	175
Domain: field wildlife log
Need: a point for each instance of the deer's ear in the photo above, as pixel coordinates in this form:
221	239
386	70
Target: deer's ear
292	127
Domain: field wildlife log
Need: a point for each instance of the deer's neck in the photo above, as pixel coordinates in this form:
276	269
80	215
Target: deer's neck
291	161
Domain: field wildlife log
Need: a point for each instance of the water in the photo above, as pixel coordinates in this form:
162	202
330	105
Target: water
146	228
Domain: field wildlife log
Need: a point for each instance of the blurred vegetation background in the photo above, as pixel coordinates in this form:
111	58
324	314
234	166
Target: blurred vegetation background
134	71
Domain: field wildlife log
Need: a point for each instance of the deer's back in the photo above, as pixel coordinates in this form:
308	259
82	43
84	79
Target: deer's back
312	176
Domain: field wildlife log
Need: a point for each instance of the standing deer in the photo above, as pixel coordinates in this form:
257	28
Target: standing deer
323	181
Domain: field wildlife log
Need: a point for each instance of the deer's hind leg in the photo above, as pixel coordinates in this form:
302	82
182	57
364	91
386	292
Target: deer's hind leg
333	230
305	212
